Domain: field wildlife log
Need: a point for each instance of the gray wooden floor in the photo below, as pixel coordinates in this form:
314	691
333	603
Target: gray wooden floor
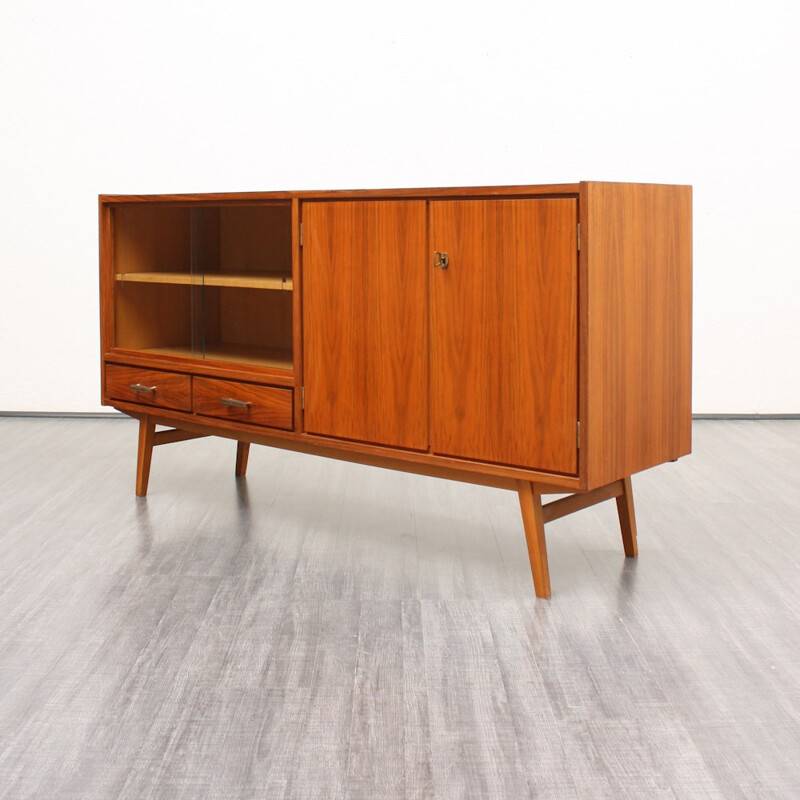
325	630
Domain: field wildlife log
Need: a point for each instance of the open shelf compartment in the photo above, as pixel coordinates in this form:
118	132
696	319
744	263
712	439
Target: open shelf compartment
211	282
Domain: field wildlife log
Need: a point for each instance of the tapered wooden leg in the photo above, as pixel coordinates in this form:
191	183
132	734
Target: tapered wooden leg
147	431
627	519
242	452
530	502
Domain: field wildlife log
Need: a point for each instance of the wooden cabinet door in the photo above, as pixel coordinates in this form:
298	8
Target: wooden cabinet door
365	335
504	332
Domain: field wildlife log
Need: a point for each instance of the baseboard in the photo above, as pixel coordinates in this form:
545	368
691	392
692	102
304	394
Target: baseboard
745	416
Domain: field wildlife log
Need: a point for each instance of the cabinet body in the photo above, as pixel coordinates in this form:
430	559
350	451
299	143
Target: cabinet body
529	337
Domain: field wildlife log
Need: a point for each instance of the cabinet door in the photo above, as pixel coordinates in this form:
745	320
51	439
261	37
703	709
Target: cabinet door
504	332
364	321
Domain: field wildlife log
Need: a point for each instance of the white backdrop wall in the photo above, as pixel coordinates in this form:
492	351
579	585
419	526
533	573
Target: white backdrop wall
147	97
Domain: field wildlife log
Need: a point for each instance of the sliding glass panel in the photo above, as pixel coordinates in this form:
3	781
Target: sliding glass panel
246	264
155	304
211	282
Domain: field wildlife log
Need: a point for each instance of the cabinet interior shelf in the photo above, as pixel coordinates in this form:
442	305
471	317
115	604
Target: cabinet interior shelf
275	357
240	280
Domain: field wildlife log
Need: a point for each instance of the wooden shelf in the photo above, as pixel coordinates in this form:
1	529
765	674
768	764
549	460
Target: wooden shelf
239	280
278	358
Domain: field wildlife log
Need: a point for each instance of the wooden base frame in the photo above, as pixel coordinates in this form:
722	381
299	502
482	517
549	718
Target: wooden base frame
149	438
242	454
535	513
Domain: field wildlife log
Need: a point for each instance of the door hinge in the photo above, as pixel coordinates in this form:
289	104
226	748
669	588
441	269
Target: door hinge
579	237
301	234
579	435
303	397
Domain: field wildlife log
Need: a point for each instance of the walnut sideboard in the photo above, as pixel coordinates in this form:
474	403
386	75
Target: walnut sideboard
533	338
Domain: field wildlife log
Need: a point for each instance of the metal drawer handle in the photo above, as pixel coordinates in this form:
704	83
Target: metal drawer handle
441	260
230	401
140	387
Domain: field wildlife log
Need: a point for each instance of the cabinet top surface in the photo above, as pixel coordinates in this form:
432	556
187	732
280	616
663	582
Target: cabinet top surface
457	191
573	189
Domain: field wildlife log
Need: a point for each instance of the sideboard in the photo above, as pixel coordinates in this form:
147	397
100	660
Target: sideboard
532	338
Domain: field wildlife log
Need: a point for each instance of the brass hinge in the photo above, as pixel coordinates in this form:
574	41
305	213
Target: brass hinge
579	435
303	397
301	234
579	237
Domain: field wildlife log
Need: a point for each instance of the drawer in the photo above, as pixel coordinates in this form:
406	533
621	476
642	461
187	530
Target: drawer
153	387
243	402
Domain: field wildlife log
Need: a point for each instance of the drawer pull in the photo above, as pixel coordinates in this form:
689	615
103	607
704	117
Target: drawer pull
140	387
230	401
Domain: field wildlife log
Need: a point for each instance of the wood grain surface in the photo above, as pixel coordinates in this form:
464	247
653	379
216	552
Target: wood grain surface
106	271
253	319
237	362
152	238
255	238
153	315
359	452
237	198
233	354
297	317
241	280
144	455
625	373
504	332
637	242
266	405
530	503
170	389
365	333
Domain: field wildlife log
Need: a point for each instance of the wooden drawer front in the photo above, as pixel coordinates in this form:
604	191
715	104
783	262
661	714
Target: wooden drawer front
243	402
149	386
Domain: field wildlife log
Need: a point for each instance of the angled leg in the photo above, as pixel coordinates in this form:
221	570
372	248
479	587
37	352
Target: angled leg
627	519
147	430
530	502
242	452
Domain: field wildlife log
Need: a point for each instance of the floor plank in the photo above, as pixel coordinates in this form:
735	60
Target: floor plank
321	629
